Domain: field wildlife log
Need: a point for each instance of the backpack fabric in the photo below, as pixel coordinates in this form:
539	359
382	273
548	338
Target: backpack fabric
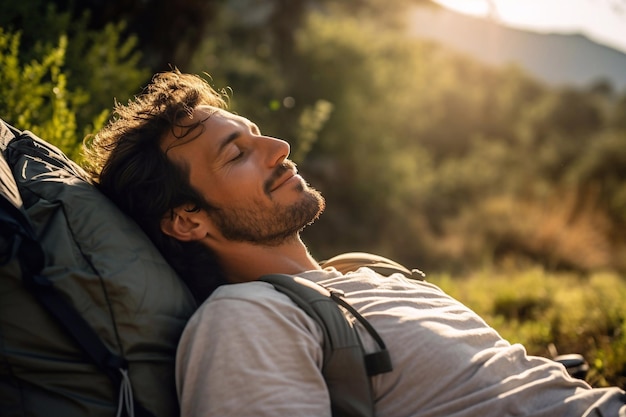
105	269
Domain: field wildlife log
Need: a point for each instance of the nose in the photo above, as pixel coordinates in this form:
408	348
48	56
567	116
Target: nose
277	150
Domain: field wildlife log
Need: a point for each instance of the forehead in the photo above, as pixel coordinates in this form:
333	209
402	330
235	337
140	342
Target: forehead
208	122
209	112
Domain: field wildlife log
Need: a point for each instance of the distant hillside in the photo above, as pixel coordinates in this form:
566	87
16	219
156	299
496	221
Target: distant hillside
554	58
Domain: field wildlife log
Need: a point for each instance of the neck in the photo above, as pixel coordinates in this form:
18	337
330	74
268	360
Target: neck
243	262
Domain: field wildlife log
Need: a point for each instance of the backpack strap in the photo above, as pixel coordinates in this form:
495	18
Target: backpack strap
19	241
345	366
351	261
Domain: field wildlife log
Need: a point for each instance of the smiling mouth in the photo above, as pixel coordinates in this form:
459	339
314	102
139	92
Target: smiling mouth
283	179
283	173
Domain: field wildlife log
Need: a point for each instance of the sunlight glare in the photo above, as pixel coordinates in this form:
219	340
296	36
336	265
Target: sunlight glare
471	7
548	15
594	18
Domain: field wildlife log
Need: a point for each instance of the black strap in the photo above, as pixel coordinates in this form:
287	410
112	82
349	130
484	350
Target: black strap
377	362
351	261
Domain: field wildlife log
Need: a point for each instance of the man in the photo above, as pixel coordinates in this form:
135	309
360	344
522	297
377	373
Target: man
225	205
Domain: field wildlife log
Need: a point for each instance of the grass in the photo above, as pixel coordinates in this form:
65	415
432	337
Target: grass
572	312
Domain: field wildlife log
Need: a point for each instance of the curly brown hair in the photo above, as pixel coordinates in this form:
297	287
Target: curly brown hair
128	165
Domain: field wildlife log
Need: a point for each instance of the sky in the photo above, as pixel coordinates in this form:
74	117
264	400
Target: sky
603	21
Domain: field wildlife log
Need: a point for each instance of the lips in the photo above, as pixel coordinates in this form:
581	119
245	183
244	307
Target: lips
282	173
282	179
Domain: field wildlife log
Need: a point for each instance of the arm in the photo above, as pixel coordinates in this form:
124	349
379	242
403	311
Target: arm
249	351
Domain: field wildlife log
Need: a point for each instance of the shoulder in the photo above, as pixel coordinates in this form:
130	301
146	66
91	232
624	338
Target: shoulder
244	291
236	345
238	298
233	297
251	305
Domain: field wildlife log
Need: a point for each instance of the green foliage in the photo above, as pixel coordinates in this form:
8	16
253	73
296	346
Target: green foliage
576	314
237	55
35	97
40	23
311	121
430	154
104	65
59	78
365	150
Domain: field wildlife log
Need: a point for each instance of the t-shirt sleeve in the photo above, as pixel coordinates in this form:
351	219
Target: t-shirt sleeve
250	351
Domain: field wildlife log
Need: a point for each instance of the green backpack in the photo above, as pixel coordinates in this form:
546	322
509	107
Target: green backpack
90	313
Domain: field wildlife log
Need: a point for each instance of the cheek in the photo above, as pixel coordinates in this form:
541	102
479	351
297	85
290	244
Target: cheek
240	183
244	179
241	189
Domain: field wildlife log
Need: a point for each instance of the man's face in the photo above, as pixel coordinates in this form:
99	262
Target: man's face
258	195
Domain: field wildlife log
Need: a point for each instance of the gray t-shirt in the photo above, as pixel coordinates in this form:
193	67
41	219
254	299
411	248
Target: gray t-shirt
250	351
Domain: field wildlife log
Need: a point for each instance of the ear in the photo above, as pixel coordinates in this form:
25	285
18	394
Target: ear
185	224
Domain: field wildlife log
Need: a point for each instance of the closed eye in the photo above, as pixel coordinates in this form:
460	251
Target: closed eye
238	156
